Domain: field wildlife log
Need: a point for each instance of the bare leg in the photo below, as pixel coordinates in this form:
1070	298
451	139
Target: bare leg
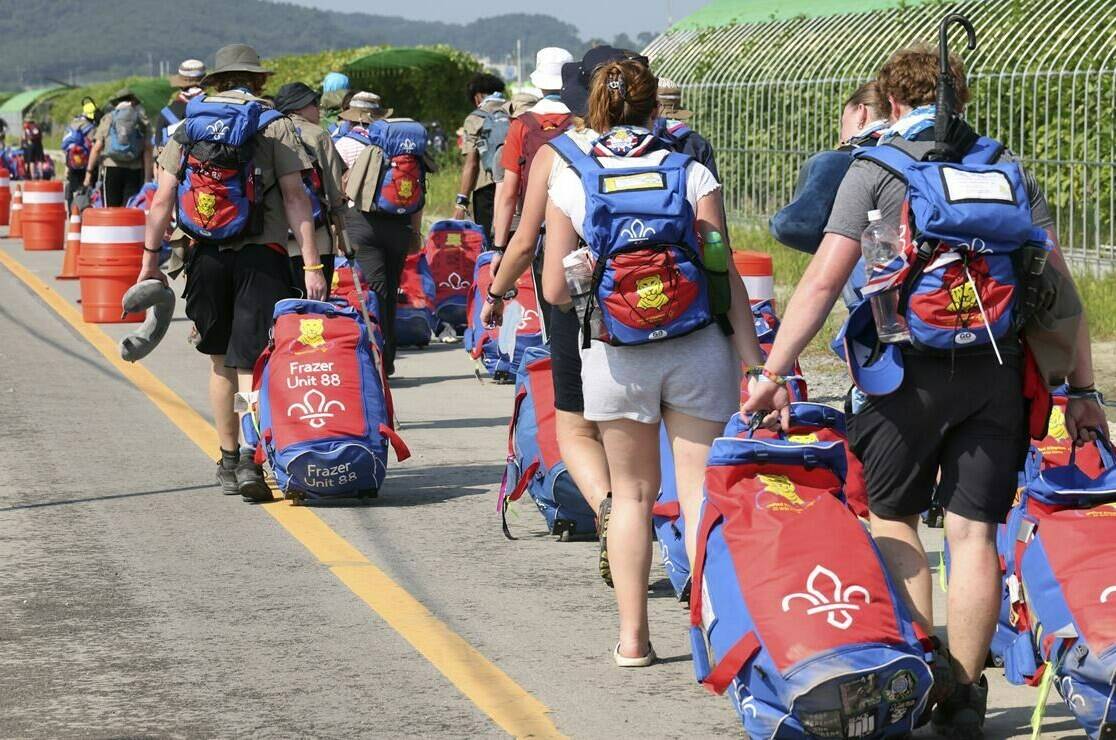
906	562
974	595
690	440
633	458
584	454
222	388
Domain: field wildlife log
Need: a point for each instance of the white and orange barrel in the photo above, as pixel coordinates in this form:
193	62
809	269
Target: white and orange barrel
109	262
44	215
5	196
15	226
758	273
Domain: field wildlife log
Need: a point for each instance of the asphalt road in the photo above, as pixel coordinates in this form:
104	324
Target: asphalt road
138	601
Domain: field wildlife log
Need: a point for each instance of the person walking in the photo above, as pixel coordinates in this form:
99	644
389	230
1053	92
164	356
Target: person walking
232	285
485	130
188	82
955	423
646	366
122	149
77	144
32	145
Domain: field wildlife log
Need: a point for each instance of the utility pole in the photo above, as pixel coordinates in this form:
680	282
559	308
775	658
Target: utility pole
519	61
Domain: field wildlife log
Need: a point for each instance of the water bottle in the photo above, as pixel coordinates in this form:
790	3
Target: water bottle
578	266
715	257
880	245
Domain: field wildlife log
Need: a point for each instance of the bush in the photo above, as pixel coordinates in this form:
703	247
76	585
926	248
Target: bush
427	84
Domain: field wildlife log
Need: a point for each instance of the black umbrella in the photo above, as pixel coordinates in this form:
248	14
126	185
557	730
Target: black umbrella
952	135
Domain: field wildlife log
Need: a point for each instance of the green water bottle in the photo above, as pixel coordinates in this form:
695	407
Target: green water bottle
715	256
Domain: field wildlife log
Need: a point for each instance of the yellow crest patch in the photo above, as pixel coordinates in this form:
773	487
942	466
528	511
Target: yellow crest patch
783	487
453	240
650	291
802	439
312	332
1058	424
406	188
962	298
207	204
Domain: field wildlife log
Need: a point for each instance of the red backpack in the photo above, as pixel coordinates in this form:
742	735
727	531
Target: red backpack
452	248
536	133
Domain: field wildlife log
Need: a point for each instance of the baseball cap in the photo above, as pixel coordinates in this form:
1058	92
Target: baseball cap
576	76
876	368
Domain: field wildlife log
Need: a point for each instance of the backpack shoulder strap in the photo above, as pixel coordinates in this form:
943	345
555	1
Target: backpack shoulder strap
357	136
571	153
268	117
169	116
890	157
531	121
985	151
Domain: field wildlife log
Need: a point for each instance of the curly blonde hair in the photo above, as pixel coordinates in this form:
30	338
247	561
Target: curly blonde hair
911	76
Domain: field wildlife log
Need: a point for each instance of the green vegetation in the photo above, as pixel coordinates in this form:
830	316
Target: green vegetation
427	84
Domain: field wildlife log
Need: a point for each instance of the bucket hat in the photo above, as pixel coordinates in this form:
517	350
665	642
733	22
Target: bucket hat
190	74
236	58
365	107
670	100
295	96
548	67
876	368
124	93
576	76
520	103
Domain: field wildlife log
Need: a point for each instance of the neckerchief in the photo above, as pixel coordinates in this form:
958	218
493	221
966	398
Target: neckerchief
873	130
912	124
625	141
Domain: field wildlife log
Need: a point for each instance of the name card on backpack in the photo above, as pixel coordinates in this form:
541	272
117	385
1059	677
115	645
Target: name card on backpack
966	186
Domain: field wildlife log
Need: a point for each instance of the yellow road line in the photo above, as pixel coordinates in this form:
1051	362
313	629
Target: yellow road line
494	692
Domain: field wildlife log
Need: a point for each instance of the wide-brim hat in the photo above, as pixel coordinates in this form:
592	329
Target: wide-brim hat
236	58
576	76
548	67
876	368
295	96
124	93
670	101
190	74
365	107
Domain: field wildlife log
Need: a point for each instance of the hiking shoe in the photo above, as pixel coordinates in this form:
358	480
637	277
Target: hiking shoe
961	715
603	513
942	669
226	478
250	480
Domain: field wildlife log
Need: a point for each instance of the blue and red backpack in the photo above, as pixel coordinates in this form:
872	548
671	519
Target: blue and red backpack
77	144
500	349
807	633
452	248
961	225
414	313
323	416
649	282
534	464
219	198
401	190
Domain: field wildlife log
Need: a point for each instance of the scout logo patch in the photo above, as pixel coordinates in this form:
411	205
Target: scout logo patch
962	298
650	290
406	189
453	240
783	490
207	204
311	332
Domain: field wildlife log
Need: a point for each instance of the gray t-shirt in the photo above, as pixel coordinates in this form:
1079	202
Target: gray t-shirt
867	187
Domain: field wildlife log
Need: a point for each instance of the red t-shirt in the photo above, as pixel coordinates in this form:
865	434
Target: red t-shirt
513	144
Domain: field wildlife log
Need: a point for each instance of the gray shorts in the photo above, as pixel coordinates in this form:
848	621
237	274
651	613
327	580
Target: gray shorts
698	374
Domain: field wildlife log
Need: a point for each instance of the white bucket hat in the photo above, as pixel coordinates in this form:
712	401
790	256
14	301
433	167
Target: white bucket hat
548	68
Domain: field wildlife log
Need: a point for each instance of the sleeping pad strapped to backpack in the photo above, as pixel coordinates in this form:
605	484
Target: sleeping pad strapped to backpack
807	631
323	409
414	314
534	462
452	248
401	189
501	348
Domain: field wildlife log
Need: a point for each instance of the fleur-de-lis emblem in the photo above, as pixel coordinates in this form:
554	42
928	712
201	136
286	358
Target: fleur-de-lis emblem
747	702
836	603
1072	697
217	130
408	145
315	408
1106	593
528	316
638	231
454	282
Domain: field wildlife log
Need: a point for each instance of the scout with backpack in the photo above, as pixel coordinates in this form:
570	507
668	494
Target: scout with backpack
77	143
537	133
125	141
490	140
400	183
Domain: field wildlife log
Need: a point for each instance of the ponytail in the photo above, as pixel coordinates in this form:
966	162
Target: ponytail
622	93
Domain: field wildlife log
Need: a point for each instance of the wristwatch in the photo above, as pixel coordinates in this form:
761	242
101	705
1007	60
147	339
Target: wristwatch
462	200
489	297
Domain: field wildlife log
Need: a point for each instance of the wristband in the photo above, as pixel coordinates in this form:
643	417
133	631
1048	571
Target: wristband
462	200
762	373
1078	394
498	250
151	251
313	268
1073	389
505	297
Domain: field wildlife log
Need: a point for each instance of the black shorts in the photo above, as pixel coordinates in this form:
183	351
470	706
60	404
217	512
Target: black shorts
960	422
565	361
231	295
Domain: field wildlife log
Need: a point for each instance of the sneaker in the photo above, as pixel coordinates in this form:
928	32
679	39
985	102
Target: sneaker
226	478
961	715
603	514
250	480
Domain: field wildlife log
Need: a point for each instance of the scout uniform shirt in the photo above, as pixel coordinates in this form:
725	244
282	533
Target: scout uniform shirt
321	149
472	139
102	135
278	152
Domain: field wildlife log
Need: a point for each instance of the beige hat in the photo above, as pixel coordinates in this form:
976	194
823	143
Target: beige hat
548	68
365	107
236	58
670	100
520	103
190	74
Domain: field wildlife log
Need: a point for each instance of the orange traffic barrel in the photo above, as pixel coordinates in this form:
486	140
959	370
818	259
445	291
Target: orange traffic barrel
73	247
15	225
5	196
109	262
758	272
44	215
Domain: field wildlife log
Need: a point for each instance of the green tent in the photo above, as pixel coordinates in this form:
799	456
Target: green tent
424	84
13	108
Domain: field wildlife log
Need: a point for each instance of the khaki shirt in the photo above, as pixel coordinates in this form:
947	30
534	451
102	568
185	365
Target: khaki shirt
317	140
278	152
471	140
102	135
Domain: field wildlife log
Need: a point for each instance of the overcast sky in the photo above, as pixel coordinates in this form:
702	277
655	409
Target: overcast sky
590	16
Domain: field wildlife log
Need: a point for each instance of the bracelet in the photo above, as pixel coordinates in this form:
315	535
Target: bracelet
151	251
498	250
1087	395
504	296
762	373
313	268
462	199
1072	389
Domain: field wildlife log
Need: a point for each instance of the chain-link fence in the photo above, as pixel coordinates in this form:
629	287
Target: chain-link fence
769	95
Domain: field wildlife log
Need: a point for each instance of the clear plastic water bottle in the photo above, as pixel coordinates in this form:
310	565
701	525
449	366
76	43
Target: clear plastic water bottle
880	245
578	266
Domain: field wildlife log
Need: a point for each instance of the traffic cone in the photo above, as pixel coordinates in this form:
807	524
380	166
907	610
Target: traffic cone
15	225
73	246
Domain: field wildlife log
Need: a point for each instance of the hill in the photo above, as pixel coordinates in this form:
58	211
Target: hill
99	39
